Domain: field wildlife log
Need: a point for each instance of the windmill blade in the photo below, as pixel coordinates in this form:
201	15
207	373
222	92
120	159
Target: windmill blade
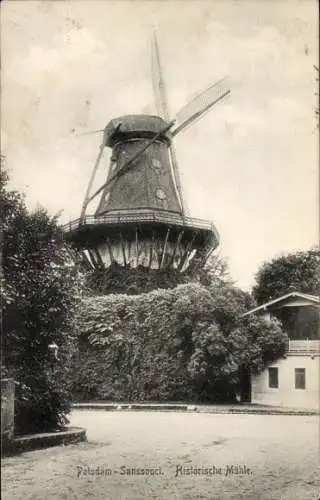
91	132
200	105
160	97
158	84
87	198
176	177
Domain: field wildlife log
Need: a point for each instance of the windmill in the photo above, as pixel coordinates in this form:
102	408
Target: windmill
141	217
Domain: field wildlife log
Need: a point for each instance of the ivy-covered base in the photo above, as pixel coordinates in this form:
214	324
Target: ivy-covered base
184	344
118	279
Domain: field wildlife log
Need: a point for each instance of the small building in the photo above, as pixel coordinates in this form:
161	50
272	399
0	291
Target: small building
293	381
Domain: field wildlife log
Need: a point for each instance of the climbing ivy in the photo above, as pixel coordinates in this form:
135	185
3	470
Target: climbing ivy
186	343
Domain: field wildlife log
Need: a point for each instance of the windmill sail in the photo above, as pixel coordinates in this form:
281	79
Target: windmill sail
159	91
200	105
94	171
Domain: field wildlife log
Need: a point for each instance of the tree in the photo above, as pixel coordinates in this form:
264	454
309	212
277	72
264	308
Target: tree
214	273
292	272
41	286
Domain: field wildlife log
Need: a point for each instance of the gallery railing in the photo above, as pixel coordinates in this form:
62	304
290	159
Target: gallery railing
139	215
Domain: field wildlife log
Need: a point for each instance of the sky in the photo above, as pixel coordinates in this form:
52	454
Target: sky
250	165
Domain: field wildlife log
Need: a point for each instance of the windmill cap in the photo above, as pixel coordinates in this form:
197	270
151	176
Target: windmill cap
135	127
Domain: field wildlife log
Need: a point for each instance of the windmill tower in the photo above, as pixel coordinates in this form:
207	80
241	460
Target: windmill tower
141	219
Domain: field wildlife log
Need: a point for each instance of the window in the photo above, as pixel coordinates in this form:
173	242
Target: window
300	378
273	378
160	194
156	164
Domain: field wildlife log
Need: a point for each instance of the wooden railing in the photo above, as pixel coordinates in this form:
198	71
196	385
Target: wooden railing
140	215
304	347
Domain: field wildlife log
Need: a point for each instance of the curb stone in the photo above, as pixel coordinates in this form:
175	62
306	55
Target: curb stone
31	442
199	409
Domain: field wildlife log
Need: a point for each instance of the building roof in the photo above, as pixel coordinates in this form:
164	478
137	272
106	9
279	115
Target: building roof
292	299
